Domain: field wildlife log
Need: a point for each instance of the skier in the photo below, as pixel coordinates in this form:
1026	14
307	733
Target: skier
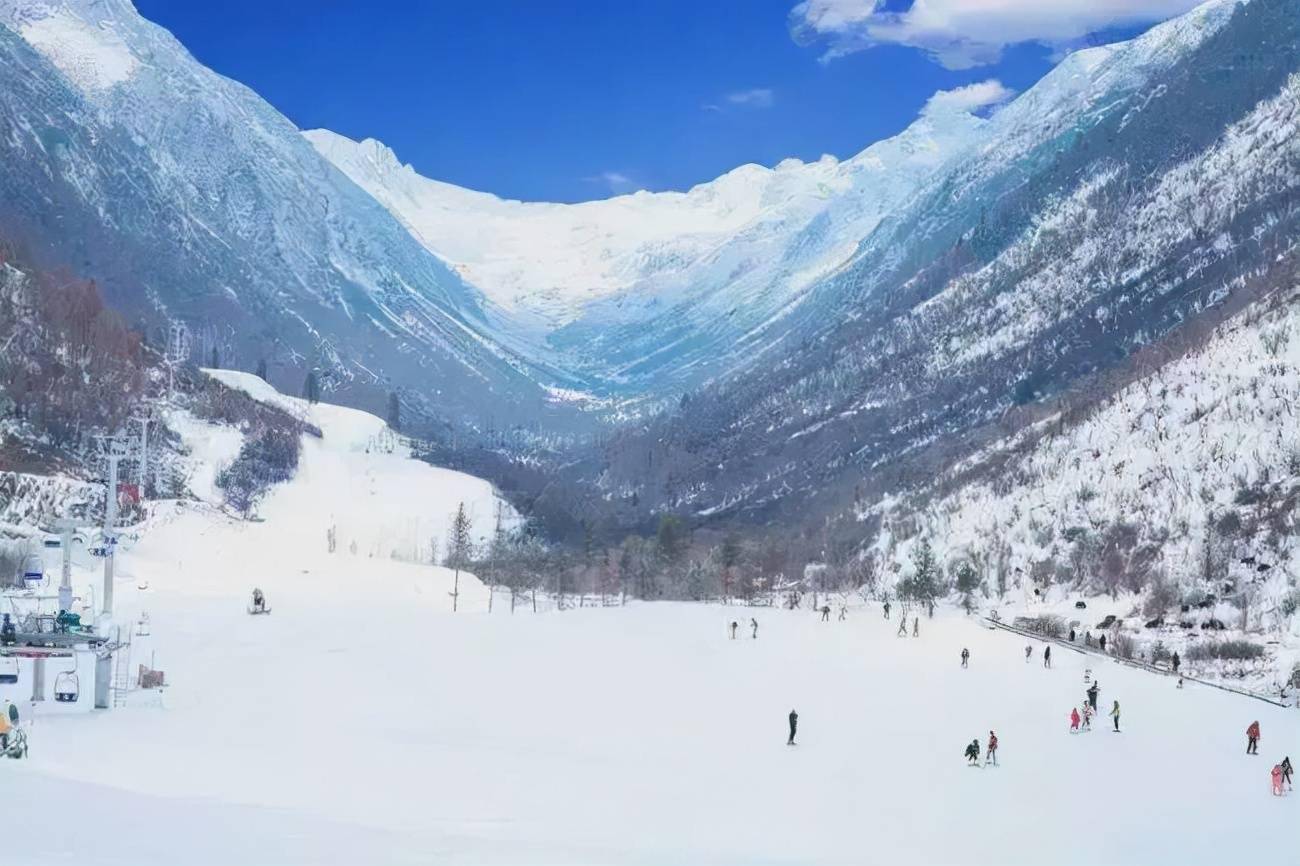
992	756
734	625
1252	739
973	753
916	627
1176	661
1115	715
753	625
1277	780
794	723
826	613
1029	651
1074	720
1180	682
902	627
965	656
1093	691
1087	717
844	612
1287	771
1047	656
886	608
1102	642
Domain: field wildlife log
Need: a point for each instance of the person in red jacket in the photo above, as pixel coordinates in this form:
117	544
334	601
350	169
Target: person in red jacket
1074	720
992	756
1252	739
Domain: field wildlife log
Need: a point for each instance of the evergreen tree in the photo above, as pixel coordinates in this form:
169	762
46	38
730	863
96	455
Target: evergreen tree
394	412
216	359
261	369
311	388
460	546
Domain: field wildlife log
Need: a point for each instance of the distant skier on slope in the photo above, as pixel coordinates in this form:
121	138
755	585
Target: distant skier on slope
826	613
886	608
1252	739
916	627
844	612
1087	717
1102	642
1287	771
1176	662
1047	656
259	601
992	755
734	625
794	723
902	627
1114	713
965	656
1093	691
973	753
753	625
1074	720
1029	651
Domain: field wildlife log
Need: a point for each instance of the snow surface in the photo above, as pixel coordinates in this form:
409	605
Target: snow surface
90	54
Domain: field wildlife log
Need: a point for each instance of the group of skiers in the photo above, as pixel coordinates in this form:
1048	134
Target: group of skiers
1280	775
990	754
753	628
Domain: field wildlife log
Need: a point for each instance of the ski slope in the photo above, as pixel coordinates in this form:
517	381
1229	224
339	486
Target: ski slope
363	722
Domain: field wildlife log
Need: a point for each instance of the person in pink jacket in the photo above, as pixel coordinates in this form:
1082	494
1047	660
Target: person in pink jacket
1277	780
1074	720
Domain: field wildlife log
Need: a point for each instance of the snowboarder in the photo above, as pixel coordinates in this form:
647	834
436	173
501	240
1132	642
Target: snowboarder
753	626
1276	774
902	627
1102	643
1093	691
973	753
259	601
1175	661
794	723
1115	715
916	627
826	613
965	656
992	755
1047	656
1180	682
1252	739
886	609
1029	651
734	625
1074	720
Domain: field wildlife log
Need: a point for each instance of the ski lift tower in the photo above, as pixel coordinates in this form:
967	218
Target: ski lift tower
66	528
114	450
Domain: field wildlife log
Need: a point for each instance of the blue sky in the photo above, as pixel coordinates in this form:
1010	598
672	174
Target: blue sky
563	100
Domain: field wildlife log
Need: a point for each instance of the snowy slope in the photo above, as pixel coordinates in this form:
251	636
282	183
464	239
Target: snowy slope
553	259
350	726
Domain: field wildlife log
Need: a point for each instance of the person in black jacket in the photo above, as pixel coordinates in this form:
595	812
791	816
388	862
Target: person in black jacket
973	752
1047	656
794	723
1093	691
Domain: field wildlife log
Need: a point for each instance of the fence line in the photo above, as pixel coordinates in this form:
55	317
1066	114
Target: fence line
1133	663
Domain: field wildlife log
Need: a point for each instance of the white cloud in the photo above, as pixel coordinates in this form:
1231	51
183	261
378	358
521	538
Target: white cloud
617	182
964	33
756	97
972	97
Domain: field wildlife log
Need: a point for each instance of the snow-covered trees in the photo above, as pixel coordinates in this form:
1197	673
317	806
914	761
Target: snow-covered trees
460	547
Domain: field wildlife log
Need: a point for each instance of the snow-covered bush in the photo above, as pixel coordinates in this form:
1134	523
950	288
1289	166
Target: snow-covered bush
1234	650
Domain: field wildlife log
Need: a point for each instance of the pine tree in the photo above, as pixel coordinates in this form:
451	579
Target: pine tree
261	369
394	412
216	359
459	548
311	388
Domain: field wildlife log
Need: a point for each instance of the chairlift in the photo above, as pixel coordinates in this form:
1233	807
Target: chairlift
67	685
8	670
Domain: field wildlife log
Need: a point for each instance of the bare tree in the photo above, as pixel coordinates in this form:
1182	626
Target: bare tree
460	546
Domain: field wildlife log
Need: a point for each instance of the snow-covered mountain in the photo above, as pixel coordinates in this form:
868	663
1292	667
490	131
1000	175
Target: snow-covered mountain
190	198
631	290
